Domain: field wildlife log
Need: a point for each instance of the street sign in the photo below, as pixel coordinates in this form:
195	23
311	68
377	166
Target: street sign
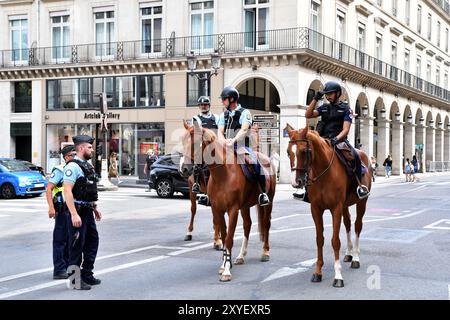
268	125
269	140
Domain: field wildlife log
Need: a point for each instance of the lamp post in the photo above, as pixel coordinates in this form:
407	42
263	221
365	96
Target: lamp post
397	116
192	66
383	113
365	110
410	118
421	121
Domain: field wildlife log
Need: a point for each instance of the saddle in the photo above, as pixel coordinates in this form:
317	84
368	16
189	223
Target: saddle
347	158
250	165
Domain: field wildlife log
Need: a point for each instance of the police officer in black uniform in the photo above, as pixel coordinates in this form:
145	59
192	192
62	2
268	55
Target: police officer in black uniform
334	125
80	193
234	126
207	120
56	210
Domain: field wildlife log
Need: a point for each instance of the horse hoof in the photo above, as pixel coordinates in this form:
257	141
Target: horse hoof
338	283
239	261
348	258
225	278
221	270
188	237
355	265
316	278
216	247
265	258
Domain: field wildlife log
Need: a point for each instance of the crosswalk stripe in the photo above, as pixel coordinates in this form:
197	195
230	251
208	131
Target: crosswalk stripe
21	210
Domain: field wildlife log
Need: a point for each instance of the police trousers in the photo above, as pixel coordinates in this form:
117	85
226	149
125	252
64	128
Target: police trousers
61	242
84	242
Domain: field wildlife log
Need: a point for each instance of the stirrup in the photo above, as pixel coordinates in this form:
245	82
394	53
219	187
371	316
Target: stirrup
263	200
196	188
362	191
204	200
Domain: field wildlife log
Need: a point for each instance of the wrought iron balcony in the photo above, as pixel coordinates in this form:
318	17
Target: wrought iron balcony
228	43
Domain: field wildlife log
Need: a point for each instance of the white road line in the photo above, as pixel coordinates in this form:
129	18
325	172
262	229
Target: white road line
59	282
30	273
192	244
407	191
434	224
176	253
4	215
24	210
23	205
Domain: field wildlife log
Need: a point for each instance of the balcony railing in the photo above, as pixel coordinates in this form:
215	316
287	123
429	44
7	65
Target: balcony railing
21	104
228	43
444	4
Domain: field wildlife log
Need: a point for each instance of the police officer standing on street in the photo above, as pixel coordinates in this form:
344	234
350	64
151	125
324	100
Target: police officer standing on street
234	126
80	193
57	211
209	121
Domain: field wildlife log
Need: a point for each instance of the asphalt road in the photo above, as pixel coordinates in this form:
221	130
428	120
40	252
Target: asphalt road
405	249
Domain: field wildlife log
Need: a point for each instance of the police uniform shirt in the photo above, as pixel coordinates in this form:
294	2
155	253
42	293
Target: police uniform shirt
246	117
72	171
57	176
323	108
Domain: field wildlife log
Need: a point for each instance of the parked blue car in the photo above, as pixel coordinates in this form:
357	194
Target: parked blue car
16	179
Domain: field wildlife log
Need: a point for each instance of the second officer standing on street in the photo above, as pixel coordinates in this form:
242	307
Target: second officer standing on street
80	193
57	211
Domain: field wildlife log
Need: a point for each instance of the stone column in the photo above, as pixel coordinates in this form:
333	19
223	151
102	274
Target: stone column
366	135
439	145
383	143
420	140
410	140
295	116
447	145
5	120
397	148
430	143
37	94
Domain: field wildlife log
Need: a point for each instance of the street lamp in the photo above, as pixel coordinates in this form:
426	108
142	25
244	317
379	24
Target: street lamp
440	124
397	116
383	113
431	123
448	126
365	110
410	118
421	121
192	66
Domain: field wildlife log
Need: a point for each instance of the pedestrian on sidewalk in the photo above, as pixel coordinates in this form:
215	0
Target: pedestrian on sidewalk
113	167
149	160
374	165
387	164
407	170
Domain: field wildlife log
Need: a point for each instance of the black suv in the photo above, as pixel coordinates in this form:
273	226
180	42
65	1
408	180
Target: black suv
165	177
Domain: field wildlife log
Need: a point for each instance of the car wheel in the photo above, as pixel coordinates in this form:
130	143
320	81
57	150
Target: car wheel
164	188
7	191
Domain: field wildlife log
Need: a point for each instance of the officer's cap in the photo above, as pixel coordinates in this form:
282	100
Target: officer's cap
82	139
67	149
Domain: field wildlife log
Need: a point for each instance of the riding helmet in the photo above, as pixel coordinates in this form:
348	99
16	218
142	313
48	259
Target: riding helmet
231	93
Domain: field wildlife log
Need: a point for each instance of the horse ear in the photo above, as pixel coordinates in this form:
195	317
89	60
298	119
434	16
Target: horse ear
289	127
185	124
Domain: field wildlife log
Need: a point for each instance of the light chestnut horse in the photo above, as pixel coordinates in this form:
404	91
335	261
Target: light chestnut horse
193	197
314	164
229	191
203	188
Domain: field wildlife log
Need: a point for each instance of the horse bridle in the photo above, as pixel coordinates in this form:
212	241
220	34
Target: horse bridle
307	168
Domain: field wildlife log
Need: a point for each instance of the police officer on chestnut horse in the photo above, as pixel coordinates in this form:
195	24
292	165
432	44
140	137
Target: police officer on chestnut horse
334	125
209	121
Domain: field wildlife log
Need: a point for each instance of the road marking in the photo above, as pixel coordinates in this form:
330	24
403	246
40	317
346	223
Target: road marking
168	255
407	191
285	272
24	210
4	215
442	221
59	282
307	263
192	244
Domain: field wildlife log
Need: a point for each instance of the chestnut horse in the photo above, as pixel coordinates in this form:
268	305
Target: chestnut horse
202	182
229	191
188	237
314	164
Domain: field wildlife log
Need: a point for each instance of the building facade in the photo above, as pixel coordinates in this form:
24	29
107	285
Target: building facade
391	57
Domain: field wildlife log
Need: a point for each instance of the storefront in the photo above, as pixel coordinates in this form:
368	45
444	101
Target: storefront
130	141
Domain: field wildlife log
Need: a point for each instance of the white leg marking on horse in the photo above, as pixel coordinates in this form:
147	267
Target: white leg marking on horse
294	179
181	163
189	233
243	251
226	266
355	252
349	244
338	270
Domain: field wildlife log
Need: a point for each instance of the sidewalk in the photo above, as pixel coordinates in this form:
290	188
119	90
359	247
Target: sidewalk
135	182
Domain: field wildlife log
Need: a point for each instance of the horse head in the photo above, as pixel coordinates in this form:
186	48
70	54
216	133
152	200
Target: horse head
300	155
194	141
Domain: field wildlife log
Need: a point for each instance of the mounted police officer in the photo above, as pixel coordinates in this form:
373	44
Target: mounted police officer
207	120
336	119
57	211
80	193
234	126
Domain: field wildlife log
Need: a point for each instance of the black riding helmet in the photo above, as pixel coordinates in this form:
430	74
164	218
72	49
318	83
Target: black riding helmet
231	93
332	86
203	100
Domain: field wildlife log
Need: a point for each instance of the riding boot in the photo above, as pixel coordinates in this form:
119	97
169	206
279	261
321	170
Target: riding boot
362	191
301	196
203	199
263	199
